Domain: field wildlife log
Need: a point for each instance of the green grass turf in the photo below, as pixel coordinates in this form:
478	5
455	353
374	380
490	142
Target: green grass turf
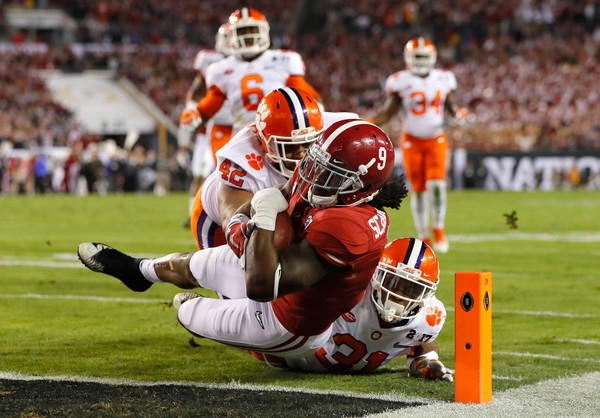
549	264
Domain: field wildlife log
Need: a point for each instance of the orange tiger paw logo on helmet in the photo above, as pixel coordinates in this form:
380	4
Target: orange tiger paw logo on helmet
255	161
434	316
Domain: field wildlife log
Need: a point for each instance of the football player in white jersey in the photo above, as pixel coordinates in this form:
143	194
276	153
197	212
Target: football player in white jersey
250	73
261	155
398	316
425	94
217	131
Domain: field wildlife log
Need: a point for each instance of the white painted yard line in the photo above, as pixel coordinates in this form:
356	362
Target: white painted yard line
232	385
569	396
537	313
136	300
546	356
572	236
78	297
584	341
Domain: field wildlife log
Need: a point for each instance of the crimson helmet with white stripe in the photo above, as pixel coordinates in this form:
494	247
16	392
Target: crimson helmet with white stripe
420	55
407	275
249	32
347	166
288	121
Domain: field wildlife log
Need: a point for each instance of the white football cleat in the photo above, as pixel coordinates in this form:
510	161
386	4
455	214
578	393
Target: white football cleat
441	246
180	298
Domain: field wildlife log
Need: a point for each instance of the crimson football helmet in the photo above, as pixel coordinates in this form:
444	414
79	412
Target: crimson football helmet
223	40
347	166
407	275
249	32
420	55
288	121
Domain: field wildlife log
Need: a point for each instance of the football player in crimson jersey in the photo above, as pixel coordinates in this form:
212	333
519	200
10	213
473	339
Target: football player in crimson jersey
217	131
250	73
425	94
398	316
261	155
336	199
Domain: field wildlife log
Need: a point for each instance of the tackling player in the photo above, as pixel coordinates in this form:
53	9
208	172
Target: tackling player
398	316
425	94
336	199
217	132
261	155
250	73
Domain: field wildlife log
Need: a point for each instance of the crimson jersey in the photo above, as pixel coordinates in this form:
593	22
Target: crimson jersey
352	238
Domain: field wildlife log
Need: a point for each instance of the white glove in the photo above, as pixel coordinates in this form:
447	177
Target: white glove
190	117
267	203
429	367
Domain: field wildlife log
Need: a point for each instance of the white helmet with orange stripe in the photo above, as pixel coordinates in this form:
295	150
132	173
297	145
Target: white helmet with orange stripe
407	275
249	32
420	55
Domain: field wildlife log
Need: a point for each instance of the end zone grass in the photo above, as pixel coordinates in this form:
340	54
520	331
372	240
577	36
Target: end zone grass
58	318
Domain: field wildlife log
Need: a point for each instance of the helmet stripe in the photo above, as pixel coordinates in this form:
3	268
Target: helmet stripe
414	253
297	107
245	12
349	124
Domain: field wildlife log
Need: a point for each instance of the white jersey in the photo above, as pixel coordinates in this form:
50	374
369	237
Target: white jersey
241	163
358	342
245	83
423	99
203	60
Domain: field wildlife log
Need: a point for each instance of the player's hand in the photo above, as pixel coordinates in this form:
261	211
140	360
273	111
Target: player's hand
267	203
237	233
430	369
190	118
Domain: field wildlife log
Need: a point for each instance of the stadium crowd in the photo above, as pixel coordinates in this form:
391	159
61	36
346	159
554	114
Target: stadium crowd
528	70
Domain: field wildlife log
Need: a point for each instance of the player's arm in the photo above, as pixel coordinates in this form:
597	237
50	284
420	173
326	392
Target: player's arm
271	273
423	361
198	88
206	109
390	107
230	199
454	110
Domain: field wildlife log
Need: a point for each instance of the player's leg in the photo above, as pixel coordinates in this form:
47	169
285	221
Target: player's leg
202	165
437	190
206	231
245	324
415	174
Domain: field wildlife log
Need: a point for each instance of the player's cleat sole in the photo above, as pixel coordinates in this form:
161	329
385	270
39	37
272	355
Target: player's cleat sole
104	259
180	298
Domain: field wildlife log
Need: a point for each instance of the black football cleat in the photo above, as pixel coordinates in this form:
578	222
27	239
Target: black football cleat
104	259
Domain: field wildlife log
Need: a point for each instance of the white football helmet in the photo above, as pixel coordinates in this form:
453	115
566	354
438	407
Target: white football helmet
223	40
407	275
249	32
420	55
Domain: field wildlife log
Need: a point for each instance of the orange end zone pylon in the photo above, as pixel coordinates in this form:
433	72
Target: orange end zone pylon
473	337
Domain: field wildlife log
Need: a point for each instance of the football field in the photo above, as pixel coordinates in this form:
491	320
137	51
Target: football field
60	322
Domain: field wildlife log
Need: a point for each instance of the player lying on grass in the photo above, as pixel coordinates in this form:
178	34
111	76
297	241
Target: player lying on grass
336	199
398	316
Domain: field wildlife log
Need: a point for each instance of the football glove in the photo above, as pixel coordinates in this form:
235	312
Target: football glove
429	367
190	118
237	233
